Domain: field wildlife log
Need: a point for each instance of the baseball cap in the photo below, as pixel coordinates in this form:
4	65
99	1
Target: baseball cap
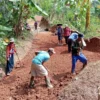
12	40
52	50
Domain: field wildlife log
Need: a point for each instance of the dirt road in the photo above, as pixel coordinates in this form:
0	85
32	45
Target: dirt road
15	87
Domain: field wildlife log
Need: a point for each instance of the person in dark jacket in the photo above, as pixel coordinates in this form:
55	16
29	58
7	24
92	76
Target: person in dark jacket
77	54
72	38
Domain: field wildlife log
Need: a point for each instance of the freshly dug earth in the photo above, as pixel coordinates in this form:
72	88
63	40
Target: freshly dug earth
16	86
86	86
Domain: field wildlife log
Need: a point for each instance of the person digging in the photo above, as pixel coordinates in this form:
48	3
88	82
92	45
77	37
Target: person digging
37	67
10	51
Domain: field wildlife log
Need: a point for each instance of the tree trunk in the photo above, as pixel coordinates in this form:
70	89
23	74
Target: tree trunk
87	16
18	26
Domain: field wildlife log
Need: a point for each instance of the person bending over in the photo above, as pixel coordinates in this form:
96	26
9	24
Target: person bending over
38	69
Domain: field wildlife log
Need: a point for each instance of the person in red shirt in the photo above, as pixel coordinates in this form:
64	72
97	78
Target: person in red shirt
10	50
67	32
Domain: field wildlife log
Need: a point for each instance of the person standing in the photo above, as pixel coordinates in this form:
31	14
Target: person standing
59	33
77	54
10	50
67	33
37	67
35	25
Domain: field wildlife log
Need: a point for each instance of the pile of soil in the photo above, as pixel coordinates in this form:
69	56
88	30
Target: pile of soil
16	86
86	86
44	24
93	44
53	28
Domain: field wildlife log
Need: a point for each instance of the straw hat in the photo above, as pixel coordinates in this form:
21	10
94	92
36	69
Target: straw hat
12	40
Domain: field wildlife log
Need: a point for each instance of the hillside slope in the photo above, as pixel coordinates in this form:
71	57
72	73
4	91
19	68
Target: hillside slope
86	85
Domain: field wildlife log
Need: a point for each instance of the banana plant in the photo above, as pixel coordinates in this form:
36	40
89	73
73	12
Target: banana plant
15	12
12	14
56	9
79	9
2	51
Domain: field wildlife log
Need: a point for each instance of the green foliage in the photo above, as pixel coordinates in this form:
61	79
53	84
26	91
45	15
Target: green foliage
4	28
94	30
13	16
2	51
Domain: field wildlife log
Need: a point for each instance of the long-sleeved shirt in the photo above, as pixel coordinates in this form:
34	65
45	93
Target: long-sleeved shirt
10	49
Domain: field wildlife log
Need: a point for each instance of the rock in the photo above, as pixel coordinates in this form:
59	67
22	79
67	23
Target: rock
37	96
76	78
12	88
61	84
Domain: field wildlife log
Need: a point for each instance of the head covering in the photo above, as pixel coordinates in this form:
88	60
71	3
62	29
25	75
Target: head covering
80	35
59	24
66	25
12	40
52	50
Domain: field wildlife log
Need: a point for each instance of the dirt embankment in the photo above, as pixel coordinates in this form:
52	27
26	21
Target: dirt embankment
86	85
93	45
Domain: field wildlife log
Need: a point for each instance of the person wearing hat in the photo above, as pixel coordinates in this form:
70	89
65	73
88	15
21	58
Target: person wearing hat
10	50
37	67
59	33
77	54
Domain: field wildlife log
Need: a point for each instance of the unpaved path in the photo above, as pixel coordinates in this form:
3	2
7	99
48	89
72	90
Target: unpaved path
15	87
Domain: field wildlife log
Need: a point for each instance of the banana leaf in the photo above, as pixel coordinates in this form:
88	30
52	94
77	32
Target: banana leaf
2	34
14	0
4	28
38	8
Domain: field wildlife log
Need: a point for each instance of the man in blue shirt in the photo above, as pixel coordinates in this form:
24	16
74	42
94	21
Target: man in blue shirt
59	33
37	68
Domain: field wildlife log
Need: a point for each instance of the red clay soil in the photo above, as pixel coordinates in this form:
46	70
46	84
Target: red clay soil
15	87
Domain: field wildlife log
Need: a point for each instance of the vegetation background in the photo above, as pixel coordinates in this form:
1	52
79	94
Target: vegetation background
81	15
